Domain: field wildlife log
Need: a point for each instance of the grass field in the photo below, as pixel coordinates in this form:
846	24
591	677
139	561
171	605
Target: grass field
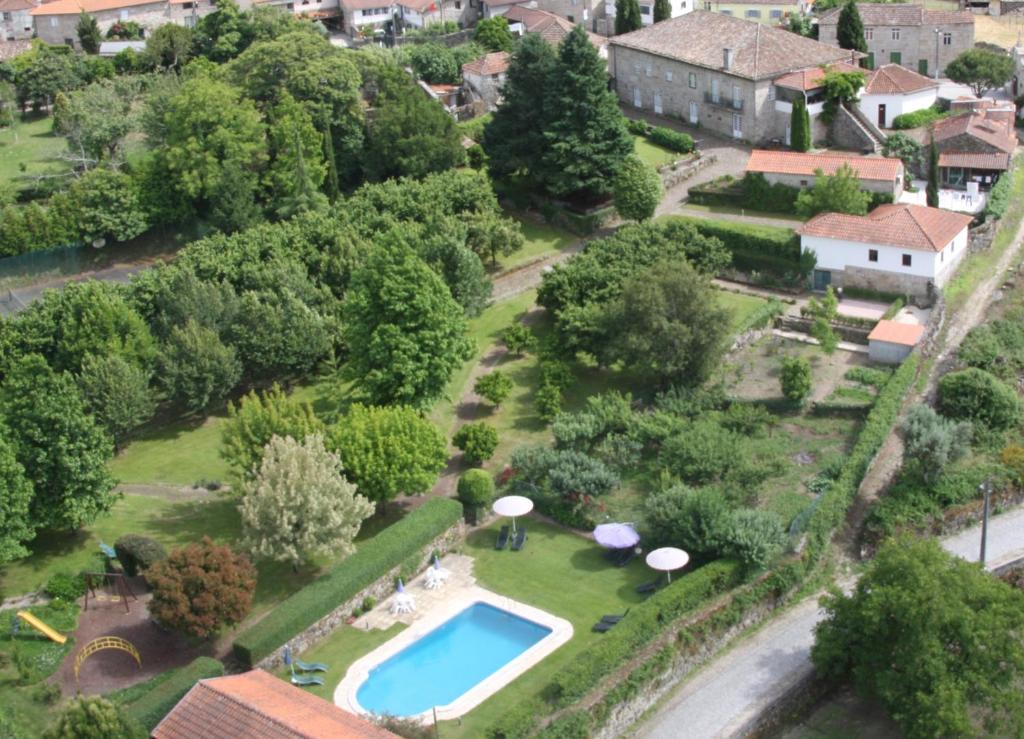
730	210
542	240
652	154
32	144
177	453
740	305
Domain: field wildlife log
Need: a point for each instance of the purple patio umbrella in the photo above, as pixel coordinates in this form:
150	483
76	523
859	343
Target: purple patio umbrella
401	586
616	535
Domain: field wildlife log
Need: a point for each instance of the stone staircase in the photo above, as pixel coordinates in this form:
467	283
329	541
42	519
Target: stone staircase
852	130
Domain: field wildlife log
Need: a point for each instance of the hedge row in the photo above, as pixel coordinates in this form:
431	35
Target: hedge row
150	702
646	622
374	559
754	248
831	510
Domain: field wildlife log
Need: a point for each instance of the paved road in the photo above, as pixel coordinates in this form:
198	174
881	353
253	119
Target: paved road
721	699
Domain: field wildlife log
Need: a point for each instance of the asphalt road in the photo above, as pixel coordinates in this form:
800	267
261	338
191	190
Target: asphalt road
733	689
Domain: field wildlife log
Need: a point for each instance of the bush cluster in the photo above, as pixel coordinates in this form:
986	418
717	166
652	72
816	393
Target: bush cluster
475	489
918	118
373	560
999	198
756	248
65	586
138	553
672	140
975	395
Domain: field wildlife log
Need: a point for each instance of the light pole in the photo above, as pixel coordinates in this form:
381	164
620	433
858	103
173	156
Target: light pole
986	489
937	32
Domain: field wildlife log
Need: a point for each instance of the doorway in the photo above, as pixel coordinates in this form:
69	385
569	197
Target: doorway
822	279
657	103
637	98
881	115
694	113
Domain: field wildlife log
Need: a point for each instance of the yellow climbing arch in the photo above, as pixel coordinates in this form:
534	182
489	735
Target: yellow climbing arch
105	642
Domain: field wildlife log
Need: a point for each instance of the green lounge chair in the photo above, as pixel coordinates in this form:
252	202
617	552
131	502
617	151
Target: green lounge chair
614	618
502	541
520	539
305	680
310	666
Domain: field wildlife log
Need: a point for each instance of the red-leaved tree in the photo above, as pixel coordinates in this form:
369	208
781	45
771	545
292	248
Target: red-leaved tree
201	588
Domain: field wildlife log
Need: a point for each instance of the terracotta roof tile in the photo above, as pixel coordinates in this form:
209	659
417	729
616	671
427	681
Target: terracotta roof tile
900	14
893	79
795	163
257	705
902	225
992	131
365	5
488	64
972	160
809	79
759	52
12	5
550	27
74	7
894	332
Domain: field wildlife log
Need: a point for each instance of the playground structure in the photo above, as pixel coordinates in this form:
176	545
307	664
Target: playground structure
41	627
119	581
105	642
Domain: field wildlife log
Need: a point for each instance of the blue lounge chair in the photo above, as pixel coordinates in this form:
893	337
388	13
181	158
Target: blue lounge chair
602	626
108	551
310	666
502	541
520	539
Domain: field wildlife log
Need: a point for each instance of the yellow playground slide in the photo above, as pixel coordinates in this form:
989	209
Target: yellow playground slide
41	627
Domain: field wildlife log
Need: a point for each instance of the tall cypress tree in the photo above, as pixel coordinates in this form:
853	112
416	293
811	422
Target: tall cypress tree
850	30
514	139
627	16
89	35
932	193
800	125
662	10
586	136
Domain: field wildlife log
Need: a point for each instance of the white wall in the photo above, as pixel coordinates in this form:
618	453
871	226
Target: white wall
896	104
838	254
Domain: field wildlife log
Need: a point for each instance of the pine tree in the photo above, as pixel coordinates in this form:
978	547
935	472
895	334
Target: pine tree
850	30
89	35
662	10
586	137
627	16
800	125
933	175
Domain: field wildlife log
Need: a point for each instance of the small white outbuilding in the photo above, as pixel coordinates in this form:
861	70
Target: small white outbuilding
891	341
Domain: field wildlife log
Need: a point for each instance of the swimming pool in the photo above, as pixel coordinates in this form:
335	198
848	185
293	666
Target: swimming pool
442	665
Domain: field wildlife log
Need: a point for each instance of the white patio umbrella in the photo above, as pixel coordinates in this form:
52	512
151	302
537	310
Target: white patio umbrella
513	505
667	559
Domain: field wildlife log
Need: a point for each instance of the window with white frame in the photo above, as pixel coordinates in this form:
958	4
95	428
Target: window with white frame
947	39
895	34
648	70
869	34
693	81
668	76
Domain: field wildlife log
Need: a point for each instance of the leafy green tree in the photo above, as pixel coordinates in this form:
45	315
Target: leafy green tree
196	369
41	73
850	29
933	638
548	401
494	386
627	16
410	333
117	393
701	453
92	717
299	505
104	204
493	34
297	170
223	35
514	139
753	536
490	234
518	339
841	90
388	451
89	36
932	442
662	10
932	191
15	501
904	148
975	395
586	137
837	193
800	24
477	441
434	64
637	190
824	311
96	119
795	378
278	334
178	295
169	47
61	447
475	488
258	418
689	518
981	70
667	324
799	125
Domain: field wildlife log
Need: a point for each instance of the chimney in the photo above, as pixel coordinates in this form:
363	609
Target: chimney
727	55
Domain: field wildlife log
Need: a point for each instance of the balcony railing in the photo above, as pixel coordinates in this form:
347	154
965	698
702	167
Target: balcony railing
722	102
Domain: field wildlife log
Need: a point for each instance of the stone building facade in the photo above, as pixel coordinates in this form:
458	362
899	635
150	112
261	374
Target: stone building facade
15	19
907	34
57	22
713	71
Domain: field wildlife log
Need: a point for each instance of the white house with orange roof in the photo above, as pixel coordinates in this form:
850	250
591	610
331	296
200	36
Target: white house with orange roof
903	249
796	169
57	22
894	90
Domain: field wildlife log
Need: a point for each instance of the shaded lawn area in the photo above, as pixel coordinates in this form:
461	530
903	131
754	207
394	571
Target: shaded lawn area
653	155
542	240
737	211
174	524
31	143
741	306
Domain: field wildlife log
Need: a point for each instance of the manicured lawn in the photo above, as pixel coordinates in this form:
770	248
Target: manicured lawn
652	154
177	453
741	306
731	210
31	143
542	240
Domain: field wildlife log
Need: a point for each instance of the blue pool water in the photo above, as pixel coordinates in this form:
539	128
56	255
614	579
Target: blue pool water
442	665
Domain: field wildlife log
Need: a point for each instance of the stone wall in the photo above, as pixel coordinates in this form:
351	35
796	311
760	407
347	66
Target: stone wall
915	43
853	334
886	282
450	540
673	174
846	132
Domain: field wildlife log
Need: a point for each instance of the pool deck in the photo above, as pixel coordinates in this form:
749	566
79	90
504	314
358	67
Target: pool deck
433	608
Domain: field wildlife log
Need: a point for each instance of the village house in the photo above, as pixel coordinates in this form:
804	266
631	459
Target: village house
715	71
423	13
907	34
902	249
15	19
892	90
810	83
322	10
550	27
795	169
57	22
772	12
485	76
976	147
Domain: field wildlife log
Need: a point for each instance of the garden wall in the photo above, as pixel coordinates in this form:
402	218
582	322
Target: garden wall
404	548
673	174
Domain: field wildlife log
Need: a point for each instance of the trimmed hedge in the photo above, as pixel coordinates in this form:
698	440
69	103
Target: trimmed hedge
374	559
761	248
671	140
918	118
149	702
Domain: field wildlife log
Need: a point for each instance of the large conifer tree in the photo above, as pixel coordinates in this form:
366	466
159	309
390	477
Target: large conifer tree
850	30
800	125
932	193
662	10
627	16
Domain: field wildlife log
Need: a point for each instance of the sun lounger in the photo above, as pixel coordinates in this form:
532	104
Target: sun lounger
650	587
306	680
625	556
520	539
614	618
502	541
602	626
310	666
